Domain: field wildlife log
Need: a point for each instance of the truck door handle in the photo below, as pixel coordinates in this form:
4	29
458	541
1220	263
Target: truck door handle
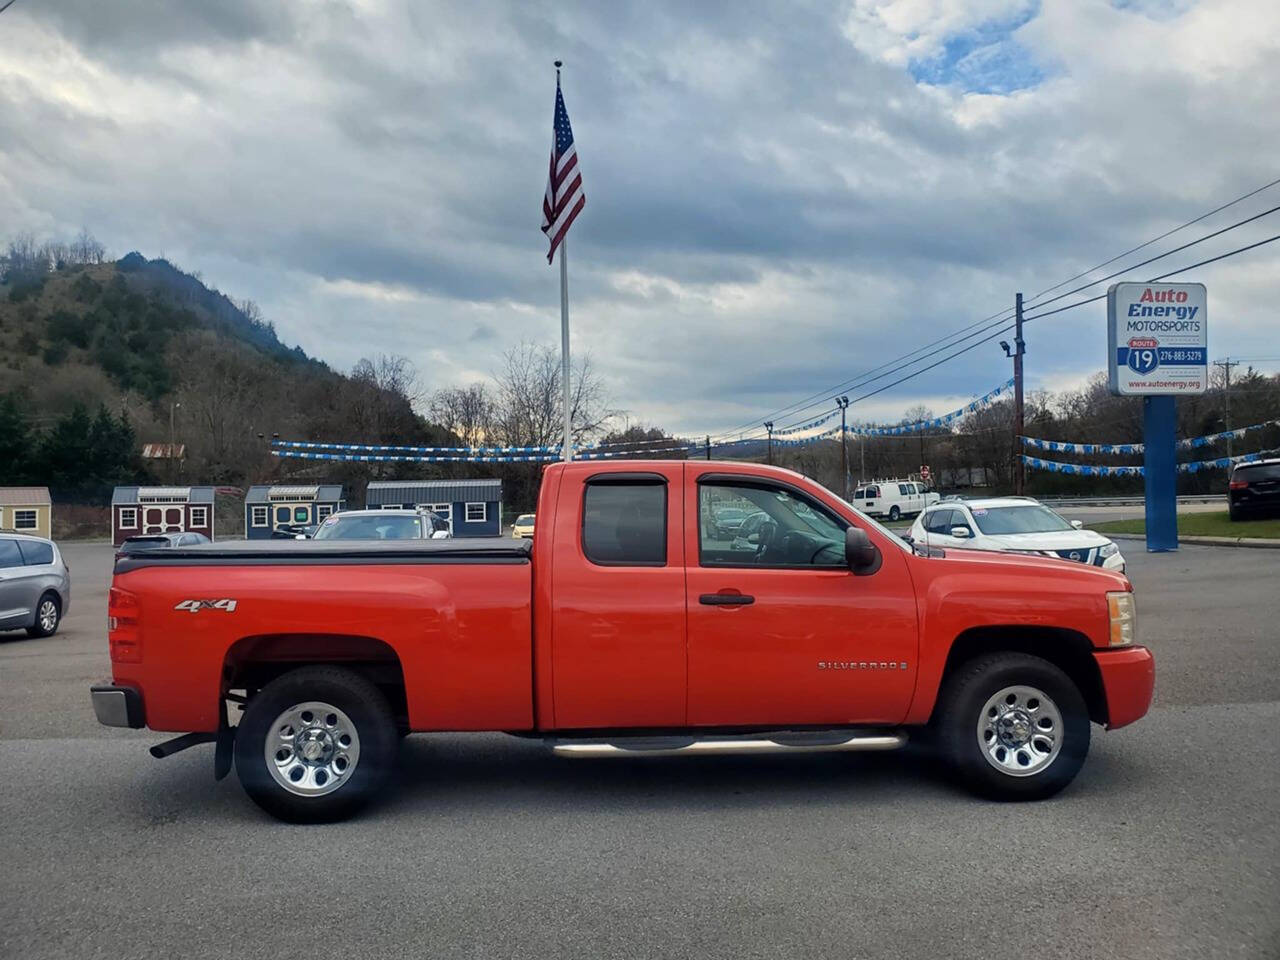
726	599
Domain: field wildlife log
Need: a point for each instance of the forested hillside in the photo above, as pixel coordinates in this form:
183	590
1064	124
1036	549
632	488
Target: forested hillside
94	356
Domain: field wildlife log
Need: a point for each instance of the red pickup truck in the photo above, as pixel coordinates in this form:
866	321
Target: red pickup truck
633	625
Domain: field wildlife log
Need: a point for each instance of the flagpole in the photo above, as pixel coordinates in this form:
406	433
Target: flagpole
566	451
564	347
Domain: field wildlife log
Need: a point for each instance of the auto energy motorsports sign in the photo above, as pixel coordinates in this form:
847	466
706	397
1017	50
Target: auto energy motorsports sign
1157	338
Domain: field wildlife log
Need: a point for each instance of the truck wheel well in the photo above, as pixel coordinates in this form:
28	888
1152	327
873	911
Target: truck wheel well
253	662
1068	650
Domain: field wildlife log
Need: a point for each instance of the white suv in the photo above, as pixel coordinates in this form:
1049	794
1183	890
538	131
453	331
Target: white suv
892	498
1013	525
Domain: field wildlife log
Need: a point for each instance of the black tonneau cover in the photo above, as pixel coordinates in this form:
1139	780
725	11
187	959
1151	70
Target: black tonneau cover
295	552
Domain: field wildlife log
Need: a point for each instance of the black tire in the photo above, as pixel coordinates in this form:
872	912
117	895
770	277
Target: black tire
376	737
894	514
36	629
965	694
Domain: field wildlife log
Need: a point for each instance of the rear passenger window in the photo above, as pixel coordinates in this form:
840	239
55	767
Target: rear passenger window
10	556
35	553
625	523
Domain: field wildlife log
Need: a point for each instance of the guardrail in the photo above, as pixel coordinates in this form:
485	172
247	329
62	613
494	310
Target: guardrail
1125	501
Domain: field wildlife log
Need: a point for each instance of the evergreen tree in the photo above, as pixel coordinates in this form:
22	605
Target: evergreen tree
16	441
66	451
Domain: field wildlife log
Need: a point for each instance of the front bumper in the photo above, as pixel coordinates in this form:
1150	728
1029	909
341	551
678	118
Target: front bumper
1128	680
117	706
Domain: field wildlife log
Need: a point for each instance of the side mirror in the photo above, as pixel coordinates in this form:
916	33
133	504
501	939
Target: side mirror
1078	524
859	552
961	533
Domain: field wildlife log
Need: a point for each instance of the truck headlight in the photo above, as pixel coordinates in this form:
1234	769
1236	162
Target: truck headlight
1124	618
1110	550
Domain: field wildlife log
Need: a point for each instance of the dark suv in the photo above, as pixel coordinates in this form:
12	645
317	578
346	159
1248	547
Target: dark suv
1254	489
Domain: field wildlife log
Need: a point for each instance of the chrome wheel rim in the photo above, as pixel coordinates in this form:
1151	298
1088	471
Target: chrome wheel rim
48	615
1020	731
312	749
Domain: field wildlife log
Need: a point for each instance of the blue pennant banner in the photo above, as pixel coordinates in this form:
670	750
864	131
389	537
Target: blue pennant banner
1190	443
1088	470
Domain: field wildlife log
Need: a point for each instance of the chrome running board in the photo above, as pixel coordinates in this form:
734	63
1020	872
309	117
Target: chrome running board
725	747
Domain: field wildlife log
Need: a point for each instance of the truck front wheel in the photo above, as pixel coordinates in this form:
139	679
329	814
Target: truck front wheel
315	744
1013	726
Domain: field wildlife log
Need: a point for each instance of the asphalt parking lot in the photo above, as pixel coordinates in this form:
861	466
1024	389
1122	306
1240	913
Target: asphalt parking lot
1167	845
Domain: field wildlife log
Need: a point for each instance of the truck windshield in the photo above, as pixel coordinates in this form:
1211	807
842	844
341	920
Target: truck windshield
377	526
1032	518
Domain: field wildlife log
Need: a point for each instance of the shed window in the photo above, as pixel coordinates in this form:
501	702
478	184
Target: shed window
128	518
199	516
24	520
625	524
323	510
258	516
477	512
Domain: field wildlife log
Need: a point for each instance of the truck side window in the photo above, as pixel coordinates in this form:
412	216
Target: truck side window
625	523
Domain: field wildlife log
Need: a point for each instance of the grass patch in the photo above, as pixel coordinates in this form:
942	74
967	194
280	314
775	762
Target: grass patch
1216	524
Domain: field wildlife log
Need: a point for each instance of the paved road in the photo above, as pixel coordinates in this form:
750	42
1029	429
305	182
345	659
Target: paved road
1166	846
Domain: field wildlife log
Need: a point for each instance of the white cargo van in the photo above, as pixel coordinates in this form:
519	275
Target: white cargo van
893	498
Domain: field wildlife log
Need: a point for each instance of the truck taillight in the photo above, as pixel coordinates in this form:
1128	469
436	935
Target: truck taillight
123	638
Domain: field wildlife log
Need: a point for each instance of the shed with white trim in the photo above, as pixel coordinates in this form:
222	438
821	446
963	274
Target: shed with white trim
269	507
472	507
26	510
137	510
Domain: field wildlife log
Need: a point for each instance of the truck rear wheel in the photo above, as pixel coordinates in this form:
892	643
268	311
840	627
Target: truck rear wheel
315	745
1013	726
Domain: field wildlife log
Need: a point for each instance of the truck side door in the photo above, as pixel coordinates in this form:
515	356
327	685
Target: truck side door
618	601
784	632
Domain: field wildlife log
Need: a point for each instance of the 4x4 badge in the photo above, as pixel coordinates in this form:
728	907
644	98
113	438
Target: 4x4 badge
195	606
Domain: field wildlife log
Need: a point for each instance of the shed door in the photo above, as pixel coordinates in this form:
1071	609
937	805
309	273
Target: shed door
443	509
153	519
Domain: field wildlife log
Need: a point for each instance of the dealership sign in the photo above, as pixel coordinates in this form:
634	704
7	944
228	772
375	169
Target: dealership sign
1157	338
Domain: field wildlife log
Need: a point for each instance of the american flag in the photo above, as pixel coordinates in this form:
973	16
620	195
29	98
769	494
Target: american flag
564	199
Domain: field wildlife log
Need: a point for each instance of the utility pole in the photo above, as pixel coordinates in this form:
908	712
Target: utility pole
708	446
1019	348
1226	366
768	425
862	458
843	404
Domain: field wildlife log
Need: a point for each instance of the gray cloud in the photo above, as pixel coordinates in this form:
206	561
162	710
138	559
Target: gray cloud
771	207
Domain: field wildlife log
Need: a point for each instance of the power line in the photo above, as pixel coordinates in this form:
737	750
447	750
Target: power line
1171	273
1001	316
8	5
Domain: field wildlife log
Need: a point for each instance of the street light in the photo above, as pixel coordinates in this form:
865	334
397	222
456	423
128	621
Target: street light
173	467
768	425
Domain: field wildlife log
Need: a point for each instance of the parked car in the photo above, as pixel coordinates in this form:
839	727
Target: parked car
893	498
35	585
727	520
1254	489
1013	525
522	529
389	523
159	541
623	629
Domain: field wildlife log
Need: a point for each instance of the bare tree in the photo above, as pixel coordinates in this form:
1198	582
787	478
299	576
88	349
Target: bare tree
86	249
529	398
467	412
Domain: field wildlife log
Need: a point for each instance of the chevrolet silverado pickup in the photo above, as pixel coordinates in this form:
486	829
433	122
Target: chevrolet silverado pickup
629	627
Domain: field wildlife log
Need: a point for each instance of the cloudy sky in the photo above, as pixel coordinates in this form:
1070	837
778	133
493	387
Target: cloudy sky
779	196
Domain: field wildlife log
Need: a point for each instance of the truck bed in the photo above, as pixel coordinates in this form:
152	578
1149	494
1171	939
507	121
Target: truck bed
487	550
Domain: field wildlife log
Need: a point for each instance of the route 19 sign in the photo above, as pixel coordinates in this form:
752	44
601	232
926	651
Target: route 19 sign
1157	339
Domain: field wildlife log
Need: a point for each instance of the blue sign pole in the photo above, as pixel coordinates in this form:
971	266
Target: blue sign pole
1160	434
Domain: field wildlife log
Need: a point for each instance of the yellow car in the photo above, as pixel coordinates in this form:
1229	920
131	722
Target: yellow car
522	529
